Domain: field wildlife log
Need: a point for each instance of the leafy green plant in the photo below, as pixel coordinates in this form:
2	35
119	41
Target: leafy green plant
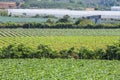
99	53
23	51
16	51
86	23
113	51
85	53
9	51
43	51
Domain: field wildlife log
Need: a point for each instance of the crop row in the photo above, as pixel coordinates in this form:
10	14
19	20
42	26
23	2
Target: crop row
59	69
14	19
58	32
60	42
112	52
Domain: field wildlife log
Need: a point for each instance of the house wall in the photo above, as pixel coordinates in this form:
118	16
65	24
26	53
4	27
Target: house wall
7	5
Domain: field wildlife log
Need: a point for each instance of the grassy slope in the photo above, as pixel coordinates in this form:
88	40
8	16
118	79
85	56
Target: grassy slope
101	4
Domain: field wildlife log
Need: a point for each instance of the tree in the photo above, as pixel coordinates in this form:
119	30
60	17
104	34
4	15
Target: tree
50	21
78	21
37	16
113	52
86	23
24	6
85	53
66	18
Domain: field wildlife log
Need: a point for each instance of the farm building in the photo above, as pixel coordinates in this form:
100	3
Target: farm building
7	5
90	9
95	18
62	12
115	8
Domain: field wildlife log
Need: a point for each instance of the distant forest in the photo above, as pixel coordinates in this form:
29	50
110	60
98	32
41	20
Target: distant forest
68	4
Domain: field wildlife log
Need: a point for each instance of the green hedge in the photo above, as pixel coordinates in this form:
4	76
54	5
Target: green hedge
58	25
64	22
3	13
112	52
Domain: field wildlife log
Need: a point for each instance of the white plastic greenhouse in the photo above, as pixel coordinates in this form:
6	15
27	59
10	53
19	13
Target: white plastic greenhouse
115	8
62	12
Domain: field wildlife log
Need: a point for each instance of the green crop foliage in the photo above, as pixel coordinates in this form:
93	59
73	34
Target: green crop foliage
18	19
60	38
59	69
58	32
62	42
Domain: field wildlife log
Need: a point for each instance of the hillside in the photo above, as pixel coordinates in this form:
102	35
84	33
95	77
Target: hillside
69	4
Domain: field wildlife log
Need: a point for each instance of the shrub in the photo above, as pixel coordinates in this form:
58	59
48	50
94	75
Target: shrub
86	23
16	51
43	51
23	51
69	53
3	13
72	54
66	18
113	52
9	51
85	53
63	53
99	53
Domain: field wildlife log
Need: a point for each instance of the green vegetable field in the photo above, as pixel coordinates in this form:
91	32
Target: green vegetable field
62	42
58	32
60	38
17	19
59	69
